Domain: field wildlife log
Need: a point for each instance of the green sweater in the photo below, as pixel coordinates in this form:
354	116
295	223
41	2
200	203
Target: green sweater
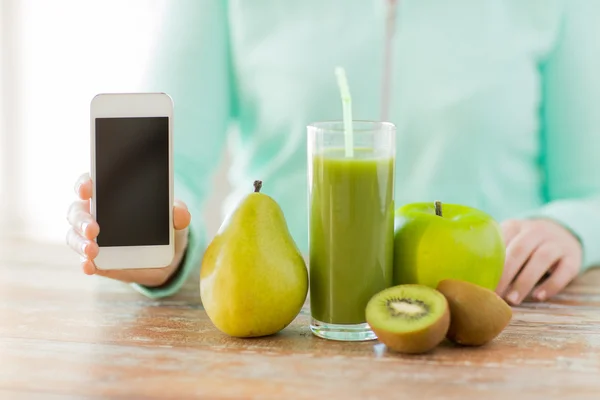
494	101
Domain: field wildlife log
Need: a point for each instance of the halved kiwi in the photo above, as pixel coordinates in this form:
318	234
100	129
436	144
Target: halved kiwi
409	318
478	314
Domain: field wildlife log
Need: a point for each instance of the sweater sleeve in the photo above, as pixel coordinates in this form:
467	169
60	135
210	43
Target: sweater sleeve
192	65
571	128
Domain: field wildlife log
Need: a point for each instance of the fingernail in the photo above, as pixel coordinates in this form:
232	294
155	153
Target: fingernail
84	247
84	227
513	297
541	295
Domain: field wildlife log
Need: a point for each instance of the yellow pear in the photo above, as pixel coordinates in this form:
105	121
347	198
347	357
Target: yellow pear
253	279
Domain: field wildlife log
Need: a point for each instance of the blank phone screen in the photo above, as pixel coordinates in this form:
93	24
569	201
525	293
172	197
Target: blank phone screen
132	181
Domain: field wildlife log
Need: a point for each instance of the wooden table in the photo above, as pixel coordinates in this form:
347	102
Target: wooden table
67	335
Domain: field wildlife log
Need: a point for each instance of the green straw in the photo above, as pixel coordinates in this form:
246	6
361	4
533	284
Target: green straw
346	109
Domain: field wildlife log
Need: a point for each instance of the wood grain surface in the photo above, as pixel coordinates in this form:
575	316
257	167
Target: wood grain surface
64	335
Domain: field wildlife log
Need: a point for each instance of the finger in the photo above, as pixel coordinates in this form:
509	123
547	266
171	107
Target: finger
510	229
88	267
76	208
517	252
82	246
181	216
81	220
544	257
83	187
565	271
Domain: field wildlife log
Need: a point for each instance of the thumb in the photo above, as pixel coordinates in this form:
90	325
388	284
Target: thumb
181	215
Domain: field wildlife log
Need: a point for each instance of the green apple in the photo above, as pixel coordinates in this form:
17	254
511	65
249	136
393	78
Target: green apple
433	242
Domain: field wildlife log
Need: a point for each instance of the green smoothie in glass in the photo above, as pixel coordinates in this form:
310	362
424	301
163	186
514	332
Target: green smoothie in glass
351	210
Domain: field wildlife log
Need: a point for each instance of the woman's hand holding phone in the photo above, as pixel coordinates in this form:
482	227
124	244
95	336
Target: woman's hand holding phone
84	229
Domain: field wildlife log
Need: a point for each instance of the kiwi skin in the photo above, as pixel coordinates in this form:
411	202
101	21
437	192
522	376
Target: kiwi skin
418	341
478	315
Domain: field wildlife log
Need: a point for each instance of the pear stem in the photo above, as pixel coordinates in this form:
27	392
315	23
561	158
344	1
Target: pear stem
257	186
438	208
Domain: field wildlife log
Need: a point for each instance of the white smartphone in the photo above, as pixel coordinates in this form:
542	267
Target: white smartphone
132	179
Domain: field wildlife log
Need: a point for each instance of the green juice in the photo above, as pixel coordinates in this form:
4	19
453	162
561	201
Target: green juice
351	233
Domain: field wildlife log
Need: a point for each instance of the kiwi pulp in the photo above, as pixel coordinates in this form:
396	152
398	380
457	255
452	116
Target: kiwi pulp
409	318
478	314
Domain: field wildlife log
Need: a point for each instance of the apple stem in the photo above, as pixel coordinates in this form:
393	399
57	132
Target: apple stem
257	186
438	208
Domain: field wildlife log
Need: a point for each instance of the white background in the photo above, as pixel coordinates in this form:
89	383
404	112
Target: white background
55	56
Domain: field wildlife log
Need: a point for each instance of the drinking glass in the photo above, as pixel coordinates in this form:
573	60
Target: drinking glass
351	224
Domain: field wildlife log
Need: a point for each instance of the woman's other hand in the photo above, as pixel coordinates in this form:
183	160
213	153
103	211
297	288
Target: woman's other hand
536	249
